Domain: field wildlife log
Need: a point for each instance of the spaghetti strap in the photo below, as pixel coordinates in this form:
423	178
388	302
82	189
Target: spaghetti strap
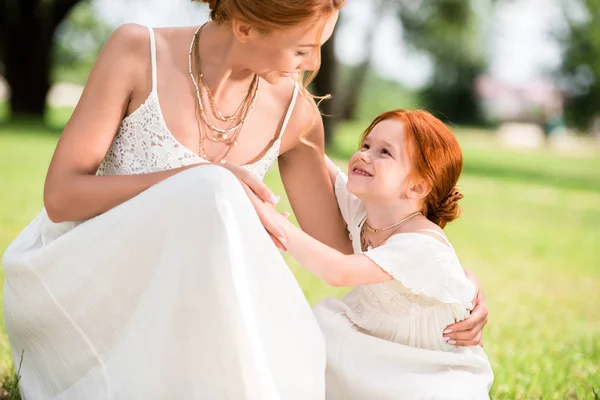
288	115
153	56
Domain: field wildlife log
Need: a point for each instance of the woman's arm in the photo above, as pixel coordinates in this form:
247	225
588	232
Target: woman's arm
332	169
469	332
307	182
72	191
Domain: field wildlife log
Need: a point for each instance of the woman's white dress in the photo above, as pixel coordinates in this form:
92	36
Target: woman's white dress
384	341
178	293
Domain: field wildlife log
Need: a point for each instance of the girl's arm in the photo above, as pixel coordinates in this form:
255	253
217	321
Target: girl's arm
328	264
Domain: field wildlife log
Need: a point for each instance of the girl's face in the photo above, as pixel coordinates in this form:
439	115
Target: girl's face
285	53
379	170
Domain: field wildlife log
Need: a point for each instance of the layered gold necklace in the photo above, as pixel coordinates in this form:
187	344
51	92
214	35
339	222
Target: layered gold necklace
227	136
366	243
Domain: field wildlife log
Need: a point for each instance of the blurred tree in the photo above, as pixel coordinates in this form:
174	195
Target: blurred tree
354	88
346	85
79	40
325	83
580	68
27	31
450	32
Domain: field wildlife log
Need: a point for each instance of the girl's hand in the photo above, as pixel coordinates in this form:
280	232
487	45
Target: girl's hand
261	197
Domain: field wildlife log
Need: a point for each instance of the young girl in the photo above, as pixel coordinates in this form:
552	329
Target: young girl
383	338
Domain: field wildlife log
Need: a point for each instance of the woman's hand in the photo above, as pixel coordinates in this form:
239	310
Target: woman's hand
261	197
469	332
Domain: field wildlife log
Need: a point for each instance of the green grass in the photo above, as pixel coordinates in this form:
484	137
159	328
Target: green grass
3	110
530	231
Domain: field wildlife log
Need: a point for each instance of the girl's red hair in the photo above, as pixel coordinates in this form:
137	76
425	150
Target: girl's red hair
435	157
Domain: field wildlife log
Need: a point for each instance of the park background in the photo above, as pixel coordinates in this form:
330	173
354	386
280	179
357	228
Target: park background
519	82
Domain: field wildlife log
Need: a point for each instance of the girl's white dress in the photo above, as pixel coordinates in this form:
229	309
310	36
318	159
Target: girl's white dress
178	293
384	341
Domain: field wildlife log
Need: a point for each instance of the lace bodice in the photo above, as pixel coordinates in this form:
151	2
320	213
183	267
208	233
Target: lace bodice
144	144
390	298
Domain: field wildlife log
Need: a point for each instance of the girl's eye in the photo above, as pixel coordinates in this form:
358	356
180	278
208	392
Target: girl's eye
384	151
302	53
365	146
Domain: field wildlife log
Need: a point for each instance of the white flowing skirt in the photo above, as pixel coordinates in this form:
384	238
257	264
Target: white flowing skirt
177	293
364	367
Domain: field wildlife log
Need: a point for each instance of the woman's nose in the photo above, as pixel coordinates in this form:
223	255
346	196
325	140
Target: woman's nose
311	62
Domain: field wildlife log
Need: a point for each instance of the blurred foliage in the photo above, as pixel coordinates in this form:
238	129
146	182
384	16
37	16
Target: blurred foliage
452	34
380	95
581	61
79	39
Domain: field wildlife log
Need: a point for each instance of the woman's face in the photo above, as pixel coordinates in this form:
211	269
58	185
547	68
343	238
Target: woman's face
285	53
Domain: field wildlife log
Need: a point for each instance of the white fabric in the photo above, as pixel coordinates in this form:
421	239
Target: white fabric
153	59
178	293
425	266
384	341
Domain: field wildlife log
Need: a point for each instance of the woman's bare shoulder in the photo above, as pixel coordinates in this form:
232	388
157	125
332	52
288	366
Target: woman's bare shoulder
130	37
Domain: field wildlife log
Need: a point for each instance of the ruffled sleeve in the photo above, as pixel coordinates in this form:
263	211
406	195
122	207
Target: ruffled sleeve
352	207
425	266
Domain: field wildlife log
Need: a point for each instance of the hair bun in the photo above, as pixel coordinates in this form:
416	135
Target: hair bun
447	210
453	196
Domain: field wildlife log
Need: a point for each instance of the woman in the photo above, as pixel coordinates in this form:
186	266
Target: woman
148	274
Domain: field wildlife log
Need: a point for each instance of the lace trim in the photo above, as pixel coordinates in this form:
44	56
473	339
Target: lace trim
144	144
388	300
